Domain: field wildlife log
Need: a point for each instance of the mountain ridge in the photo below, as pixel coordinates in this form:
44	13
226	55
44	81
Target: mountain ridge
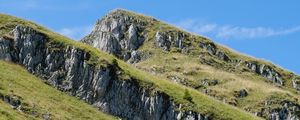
162	75
163	50
42	54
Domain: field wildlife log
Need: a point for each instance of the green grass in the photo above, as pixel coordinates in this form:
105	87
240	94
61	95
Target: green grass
8	23
193	40
189	67
35	95
194	72
201	103
7	113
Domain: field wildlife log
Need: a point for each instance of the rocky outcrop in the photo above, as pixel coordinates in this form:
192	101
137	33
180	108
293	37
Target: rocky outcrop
266	71
12	100
287	111
261	69
5	49
213	50
241	93
67	68
117	33
171	39
16	103
296	84
121	33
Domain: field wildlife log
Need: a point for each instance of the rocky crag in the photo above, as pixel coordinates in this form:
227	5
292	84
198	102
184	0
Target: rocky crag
202	66
132	37
67	69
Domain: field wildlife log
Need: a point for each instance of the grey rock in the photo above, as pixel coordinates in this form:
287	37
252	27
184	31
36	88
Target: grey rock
67	70
284	110
14	101
222	56
117	33
296	84
133	42
214	51
208	82
46	116
135	57
241	93
266	71
162	41
5	49
168	40
288	112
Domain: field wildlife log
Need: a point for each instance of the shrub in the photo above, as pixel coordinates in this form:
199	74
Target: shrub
187	95
115	62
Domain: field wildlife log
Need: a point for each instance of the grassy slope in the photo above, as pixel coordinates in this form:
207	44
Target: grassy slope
202	103
175	64
37	96
7	113
195	73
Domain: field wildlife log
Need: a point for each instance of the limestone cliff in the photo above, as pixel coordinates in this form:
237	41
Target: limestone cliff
132	37
68	69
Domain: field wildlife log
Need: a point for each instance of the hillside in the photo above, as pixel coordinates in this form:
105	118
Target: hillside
101	80
24	96
254	85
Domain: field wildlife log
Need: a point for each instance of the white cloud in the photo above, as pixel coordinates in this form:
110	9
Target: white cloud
233	32
75	33
20	5
255	32
197	27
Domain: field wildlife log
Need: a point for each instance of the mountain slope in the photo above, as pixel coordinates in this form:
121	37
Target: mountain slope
253	85
103	81
24	96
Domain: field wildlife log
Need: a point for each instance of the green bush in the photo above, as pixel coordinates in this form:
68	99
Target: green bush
187	96
115	62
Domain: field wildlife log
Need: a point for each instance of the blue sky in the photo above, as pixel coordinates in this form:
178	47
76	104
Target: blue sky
266	29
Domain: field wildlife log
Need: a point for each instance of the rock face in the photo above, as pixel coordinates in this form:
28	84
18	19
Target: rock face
67	69
213	50
296	84
261	69
117	33
122	34
5	50
168	40
288	111
266	71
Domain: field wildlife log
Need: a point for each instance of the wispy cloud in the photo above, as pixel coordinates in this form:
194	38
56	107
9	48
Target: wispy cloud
20	5
75	33
255	32
233	32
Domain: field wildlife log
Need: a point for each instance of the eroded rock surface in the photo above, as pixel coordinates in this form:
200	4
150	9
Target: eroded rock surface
117	33
168	40
266	71
67	69
281	110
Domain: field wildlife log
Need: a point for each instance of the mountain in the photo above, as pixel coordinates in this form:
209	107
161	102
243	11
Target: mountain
101	80
135	67
254	85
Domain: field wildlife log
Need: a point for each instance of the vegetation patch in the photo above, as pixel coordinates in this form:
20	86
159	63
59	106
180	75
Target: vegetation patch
25	96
